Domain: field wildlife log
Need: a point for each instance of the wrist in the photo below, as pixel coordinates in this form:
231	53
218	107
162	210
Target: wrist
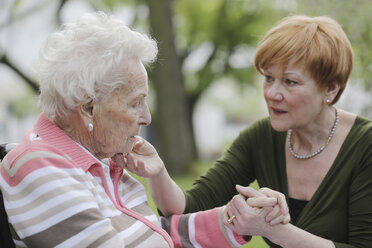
275	233
161	173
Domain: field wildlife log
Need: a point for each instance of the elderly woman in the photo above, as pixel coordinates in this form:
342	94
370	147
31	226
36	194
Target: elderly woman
64	184
319	156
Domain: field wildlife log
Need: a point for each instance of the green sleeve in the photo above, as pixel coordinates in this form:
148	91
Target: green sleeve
217	186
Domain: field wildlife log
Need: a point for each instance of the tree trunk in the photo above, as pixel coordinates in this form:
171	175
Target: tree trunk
173	128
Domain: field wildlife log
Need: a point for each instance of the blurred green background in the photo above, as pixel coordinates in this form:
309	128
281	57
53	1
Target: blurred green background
203	88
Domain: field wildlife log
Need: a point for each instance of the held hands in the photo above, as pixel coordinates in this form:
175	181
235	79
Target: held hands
255	211
143	160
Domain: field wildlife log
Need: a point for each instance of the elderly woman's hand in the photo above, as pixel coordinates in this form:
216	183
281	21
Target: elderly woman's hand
143	160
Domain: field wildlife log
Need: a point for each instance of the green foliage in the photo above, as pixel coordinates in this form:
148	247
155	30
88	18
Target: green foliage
231	29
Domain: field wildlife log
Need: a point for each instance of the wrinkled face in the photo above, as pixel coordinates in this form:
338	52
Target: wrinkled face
119	117
292	97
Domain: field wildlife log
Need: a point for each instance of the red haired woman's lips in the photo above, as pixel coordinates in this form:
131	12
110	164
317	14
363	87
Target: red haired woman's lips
278	111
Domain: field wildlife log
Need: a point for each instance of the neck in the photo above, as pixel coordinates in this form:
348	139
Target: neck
74	127
312	141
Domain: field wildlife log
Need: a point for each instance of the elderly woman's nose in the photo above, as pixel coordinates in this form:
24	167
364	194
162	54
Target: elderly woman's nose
145	118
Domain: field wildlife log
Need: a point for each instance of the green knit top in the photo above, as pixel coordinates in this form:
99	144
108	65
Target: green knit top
341	208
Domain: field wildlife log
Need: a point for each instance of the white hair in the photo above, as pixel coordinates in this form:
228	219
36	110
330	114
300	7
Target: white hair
82	61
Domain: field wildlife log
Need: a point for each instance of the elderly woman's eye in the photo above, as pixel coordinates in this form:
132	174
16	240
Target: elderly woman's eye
136	104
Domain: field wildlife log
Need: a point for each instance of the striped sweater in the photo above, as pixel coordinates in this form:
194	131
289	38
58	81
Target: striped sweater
57	194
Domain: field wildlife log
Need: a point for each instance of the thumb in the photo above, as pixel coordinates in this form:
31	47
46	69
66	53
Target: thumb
143	147
138	143
248	191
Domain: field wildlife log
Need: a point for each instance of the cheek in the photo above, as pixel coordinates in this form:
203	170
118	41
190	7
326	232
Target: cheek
113	125
124	125
298	99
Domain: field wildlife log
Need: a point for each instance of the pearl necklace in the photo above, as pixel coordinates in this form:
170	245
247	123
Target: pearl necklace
313	154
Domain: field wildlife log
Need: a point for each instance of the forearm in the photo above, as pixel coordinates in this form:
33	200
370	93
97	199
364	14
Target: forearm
207	230
167	195
288	236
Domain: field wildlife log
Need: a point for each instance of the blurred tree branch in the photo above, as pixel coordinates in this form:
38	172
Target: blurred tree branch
4	60
59	9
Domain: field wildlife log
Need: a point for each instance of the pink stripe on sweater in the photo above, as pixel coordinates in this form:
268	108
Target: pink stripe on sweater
174	231
208	220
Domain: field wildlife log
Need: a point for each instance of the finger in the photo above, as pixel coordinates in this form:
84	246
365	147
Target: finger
138	143
248	191
131	165
287	219
284	219
231	220
279	196
283	204
274	213
260	202
119	160
237	205
141	167
231	217
226	216
142	147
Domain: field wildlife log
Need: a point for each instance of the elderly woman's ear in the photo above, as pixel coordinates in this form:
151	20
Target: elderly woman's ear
86	112
87	108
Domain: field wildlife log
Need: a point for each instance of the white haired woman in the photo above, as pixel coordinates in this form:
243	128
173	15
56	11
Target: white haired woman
64	184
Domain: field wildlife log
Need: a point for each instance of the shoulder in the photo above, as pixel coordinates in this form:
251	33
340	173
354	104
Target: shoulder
356	126
259	130
256	135
261	125
32	147
362	128
31	155
358	144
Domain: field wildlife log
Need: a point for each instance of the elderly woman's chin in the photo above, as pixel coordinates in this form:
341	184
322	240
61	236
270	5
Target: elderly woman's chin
122	147
127	146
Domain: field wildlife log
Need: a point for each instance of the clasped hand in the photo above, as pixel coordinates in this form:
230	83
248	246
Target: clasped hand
255	211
